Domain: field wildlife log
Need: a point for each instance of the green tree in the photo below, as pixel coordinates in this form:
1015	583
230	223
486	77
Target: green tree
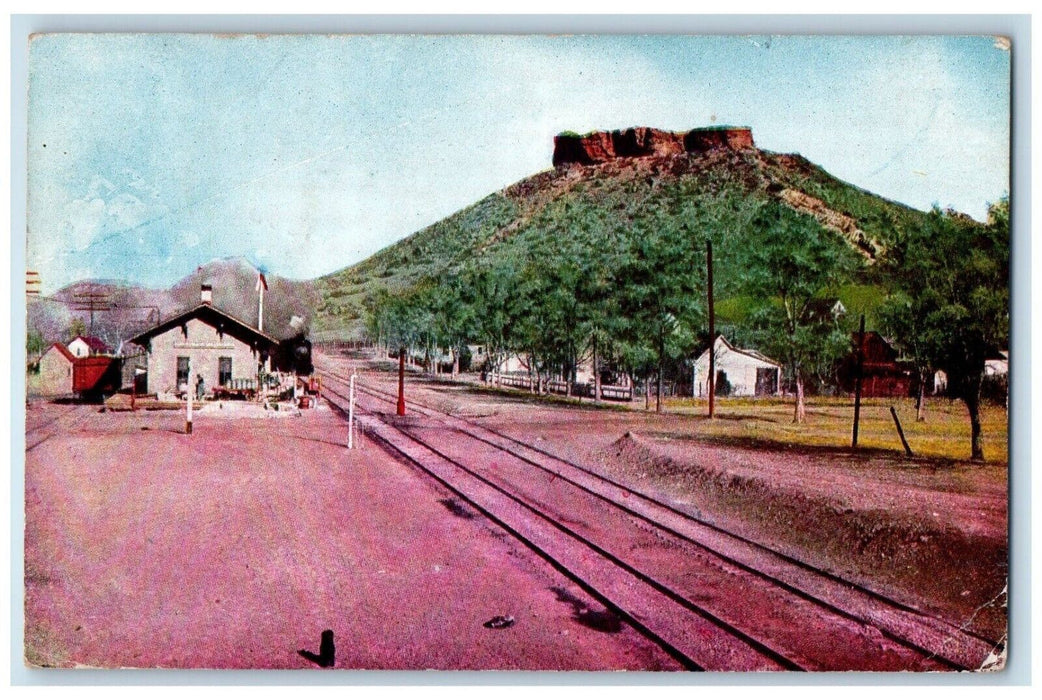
489	291
662	280
951	294
454	318
557	309
34	345
76	327
377	315
601	318
790	262
399	319
901	321
534	331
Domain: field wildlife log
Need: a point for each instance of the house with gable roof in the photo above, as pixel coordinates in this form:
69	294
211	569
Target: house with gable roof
54	375
739	371
87	345
204	342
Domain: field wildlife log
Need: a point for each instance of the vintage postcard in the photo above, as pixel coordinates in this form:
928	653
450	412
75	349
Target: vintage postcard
479	352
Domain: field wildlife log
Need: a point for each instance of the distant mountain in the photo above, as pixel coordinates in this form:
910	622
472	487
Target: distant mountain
618	182
121	310
234	291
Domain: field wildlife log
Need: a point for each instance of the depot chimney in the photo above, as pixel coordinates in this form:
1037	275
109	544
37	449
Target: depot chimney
206	294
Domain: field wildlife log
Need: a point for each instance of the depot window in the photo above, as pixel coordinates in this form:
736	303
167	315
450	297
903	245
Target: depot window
224	371
182	371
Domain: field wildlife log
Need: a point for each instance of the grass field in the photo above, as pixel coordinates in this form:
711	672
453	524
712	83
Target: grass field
945	433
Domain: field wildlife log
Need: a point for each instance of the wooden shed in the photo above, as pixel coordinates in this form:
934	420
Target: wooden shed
739	372
54	377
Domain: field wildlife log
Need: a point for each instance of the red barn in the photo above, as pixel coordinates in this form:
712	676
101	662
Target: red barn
882	373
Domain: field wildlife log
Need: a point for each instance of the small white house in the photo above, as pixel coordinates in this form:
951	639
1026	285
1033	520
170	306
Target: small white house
87	345
997	367
513	364
745	372
940	381
478	355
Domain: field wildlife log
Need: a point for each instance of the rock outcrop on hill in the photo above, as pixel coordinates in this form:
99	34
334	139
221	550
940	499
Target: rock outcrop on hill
642	142
610	185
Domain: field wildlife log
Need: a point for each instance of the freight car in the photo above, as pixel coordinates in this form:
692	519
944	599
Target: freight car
96	376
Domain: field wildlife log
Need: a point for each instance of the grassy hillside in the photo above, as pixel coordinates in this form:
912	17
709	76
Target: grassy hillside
427	253
602	205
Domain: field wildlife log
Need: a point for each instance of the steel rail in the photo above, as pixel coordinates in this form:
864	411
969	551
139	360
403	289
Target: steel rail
899	638
880	597
679	598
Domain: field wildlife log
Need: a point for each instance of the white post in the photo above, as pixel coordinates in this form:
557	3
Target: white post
188	406
260	308
351	415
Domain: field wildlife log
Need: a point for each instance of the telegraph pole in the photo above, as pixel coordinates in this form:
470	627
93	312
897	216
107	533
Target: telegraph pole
188	406
712	329
92	301
857	380
351	415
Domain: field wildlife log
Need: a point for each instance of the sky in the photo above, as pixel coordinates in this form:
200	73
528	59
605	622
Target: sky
150	155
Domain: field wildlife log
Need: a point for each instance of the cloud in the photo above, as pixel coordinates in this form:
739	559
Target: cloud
125	211
308	152
95	215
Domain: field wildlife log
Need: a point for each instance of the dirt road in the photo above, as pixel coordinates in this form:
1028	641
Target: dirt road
236	546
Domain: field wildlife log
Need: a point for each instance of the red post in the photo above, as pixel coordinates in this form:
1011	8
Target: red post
401	382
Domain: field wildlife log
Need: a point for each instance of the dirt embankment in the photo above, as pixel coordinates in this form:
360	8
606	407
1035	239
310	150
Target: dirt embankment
941	547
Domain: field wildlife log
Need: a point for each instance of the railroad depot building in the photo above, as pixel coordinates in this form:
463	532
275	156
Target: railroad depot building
204	341
739	372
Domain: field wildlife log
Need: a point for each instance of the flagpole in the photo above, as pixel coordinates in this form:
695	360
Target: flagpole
261	286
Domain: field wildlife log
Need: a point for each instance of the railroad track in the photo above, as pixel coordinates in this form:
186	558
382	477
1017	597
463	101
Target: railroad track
36	435
710	598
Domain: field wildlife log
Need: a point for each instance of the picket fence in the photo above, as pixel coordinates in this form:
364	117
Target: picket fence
609	392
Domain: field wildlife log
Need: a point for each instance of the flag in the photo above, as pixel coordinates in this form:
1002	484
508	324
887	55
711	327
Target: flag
261	282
